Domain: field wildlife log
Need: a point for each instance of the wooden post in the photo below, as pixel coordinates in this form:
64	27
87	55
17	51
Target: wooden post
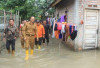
14	18
4	19
11	15
18	19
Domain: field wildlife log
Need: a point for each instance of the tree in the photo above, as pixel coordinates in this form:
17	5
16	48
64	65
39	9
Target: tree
26	8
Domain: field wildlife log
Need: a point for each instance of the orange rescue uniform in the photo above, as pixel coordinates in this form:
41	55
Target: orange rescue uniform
40	31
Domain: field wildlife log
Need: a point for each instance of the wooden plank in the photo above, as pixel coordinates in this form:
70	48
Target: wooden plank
90	28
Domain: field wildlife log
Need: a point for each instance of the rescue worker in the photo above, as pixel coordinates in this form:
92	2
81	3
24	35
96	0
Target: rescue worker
47	32
10	35
22	31
41	34
30	32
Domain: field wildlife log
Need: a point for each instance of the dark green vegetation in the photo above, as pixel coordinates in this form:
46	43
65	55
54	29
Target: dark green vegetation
27	8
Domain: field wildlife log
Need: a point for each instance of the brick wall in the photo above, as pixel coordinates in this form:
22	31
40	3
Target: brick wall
84	4
93	2
70	6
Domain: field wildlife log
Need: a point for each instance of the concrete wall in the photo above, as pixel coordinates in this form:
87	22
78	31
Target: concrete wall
67	5
80	17
76	10
83	4
99	31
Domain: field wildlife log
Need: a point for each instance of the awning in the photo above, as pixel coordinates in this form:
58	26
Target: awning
55	3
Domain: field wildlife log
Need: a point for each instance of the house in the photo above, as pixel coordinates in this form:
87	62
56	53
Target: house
86	15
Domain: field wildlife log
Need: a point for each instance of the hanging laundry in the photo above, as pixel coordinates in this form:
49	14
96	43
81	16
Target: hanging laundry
48	21
64	36
67	31
57	34
59	26
62	18
55	28
60	35
59	20
52	22
53	34
69	39
65	17
70	29
74	34
63	28
75	28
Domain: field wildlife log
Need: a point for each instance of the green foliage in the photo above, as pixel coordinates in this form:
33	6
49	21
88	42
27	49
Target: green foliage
27	8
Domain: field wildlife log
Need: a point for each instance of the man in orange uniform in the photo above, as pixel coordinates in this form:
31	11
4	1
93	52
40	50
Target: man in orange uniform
41	34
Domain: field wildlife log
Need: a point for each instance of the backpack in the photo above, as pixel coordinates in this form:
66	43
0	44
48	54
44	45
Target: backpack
59	27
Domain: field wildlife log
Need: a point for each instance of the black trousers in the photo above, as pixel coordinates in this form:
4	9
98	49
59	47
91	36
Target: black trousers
10	42
38	42
46	38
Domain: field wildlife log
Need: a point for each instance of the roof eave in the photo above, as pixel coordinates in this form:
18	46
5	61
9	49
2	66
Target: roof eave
55	3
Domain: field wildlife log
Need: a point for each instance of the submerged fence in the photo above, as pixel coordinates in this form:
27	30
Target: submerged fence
4	20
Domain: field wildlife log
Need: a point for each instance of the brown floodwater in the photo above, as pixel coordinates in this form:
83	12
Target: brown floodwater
55	55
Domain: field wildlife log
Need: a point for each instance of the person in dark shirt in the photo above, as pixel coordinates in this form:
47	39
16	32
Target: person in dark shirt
10	35
47	32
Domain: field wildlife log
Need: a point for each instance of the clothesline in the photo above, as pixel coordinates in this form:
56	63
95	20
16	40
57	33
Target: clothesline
62	29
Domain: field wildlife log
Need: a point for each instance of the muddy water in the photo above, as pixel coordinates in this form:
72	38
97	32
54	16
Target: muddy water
55	55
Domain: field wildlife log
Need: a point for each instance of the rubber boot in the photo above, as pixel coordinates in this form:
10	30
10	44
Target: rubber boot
27	55
39	47
13	52
8	51
31	51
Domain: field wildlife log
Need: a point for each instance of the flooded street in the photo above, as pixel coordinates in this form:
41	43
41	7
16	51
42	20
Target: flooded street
55	55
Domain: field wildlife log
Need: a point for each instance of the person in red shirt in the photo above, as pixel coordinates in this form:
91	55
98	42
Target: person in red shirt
41	34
